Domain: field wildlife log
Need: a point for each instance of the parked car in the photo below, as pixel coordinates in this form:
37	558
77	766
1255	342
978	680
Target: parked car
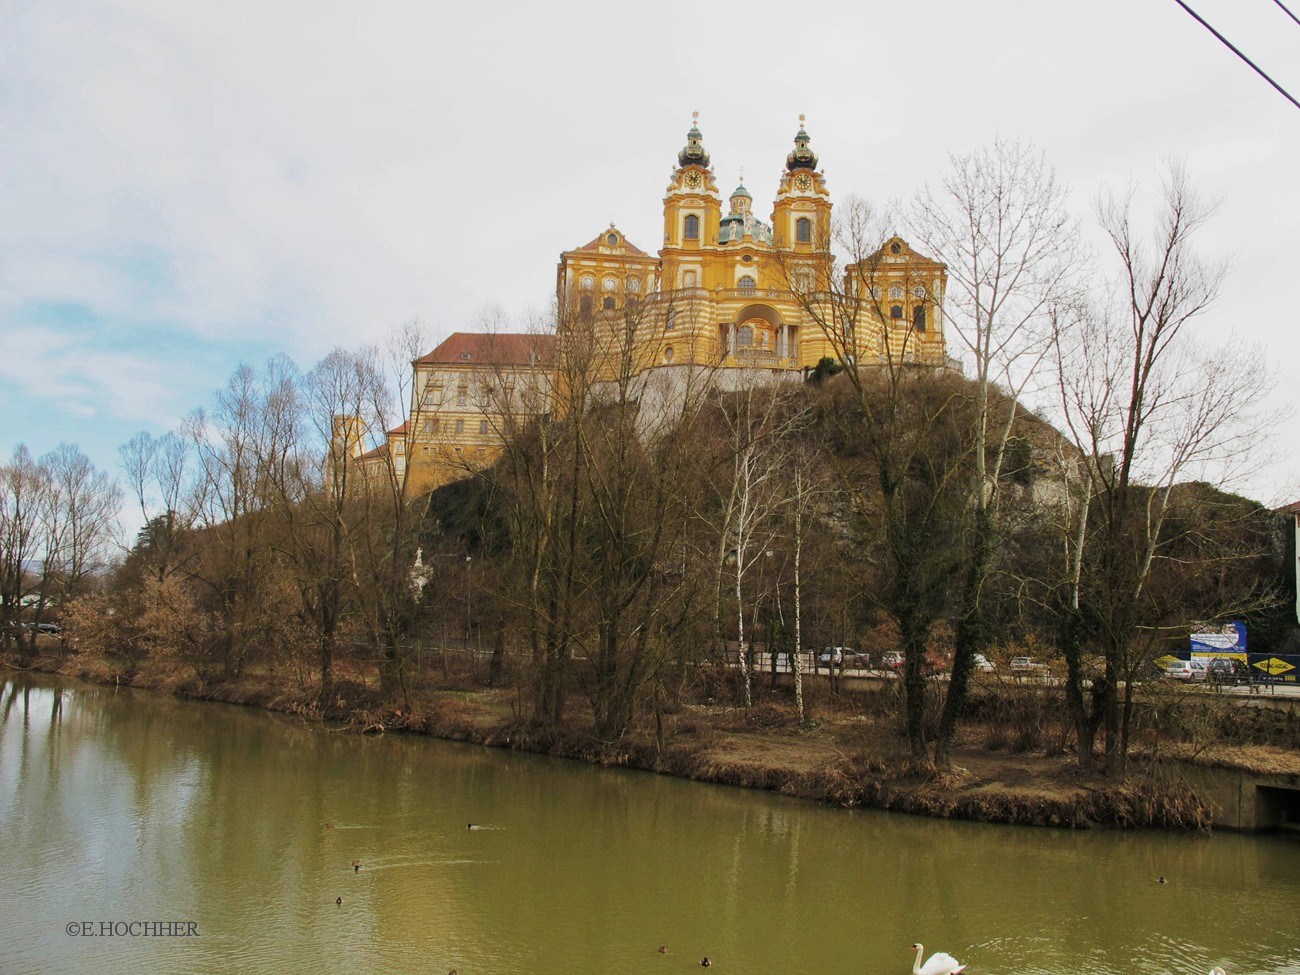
1023	665
844	657
51	628
1225	670
982	664
891	660
1185	670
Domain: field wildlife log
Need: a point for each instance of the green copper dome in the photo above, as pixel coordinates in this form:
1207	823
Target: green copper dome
694	153
801	157
741	191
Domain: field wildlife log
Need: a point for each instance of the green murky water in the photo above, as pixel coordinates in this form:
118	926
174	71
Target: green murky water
119	806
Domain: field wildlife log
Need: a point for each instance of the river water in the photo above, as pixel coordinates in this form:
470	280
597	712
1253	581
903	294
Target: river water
119	806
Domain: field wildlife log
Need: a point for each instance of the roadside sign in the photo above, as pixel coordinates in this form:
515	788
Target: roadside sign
1275	668
1208	638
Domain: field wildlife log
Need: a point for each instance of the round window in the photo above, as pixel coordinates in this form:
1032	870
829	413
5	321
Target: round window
633	284
612	240
610	284
588	281
895	248
668	354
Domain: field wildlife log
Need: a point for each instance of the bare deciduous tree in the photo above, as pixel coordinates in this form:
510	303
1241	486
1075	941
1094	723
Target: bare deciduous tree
23	487
901	418
158	478
1150	411
758	421
999	223
79	524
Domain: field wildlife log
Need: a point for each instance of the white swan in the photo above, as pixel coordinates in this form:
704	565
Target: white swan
940	963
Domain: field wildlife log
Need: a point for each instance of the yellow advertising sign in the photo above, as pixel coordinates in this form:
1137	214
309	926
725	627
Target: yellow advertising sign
1274	666
1165	661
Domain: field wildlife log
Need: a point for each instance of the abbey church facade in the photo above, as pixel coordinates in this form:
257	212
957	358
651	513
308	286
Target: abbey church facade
727	295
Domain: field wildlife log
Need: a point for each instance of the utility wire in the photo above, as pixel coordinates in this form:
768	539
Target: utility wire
1288	13
1260	71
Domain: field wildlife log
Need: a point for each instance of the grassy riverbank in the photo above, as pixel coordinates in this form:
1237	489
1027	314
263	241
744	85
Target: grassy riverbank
853	754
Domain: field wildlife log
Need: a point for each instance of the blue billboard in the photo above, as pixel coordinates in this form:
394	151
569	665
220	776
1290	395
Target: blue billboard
1219	637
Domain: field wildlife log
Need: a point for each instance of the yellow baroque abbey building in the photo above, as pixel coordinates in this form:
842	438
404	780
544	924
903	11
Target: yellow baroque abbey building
728	296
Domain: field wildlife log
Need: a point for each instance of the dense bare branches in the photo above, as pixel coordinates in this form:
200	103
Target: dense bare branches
1149	411
58	525
1000	225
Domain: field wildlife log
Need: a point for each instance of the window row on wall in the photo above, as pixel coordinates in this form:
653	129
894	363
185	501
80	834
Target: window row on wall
435	425
609	283
433	395
607	303
691	229
690	279
918	315
803	280
896	292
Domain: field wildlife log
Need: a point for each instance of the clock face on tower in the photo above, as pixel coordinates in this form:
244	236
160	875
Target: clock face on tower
803	182
693	179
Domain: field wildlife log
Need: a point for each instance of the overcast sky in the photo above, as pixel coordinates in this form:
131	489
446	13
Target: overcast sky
185	186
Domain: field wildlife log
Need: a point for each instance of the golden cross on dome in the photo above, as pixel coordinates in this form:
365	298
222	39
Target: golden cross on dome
742	175
801	120
695	118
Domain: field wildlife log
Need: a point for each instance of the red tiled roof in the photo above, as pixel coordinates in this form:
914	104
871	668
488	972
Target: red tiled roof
599	242
1291	509
495	349
398	431
377	454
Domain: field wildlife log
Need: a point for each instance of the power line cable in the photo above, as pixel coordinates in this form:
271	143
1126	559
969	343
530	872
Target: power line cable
1288	13
1258	70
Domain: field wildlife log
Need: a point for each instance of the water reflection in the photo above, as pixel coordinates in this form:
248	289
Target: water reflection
116	805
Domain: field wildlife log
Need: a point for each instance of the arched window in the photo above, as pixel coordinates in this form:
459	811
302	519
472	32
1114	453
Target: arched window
744	337
746	283
918	317
671	319
803	230
896	311
692	231
688	279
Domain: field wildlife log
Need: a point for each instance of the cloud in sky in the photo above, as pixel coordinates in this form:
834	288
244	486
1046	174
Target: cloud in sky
188	186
